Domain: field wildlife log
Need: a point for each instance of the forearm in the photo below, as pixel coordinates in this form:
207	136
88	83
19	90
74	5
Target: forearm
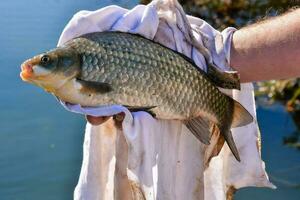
268	50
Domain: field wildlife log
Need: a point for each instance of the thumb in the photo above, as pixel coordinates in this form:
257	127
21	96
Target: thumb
96	120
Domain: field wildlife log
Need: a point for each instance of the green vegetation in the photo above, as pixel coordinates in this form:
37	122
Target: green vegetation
238	13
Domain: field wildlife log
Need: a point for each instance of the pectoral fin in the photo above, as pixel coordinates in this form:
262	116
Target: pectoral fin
145	109
94	87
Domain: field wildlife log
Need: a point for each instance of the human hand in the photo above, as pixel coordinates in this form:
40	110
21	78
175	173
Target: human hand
96	121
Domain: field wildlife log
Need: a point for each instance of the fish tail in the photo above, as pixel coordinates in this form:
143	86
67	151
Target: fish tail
230	142
239	117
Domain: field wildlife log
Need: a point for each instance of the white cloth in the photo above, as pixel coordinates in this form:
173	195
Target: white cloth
159	159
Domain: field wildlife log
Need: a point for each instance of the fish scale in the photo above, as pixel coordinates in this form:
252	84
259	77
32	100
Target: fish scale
121	68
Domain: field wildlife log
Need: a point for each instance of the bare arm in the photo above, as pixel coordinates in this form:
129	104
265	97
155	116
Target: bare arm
269	49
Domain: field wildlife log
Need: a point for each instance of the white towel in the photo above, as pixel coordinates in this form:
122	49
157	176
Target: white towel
160	159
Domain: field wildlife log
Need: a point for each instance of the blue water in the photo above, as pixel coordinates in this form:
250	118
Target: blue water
282	162
41	143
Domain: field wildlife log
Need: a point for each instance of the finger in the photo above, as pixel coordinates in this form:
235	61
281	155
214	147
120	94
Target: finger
118	119
96	120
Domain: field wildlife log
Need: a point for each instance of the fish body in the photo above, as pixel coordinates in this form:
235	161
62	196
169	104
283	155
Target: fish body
108	68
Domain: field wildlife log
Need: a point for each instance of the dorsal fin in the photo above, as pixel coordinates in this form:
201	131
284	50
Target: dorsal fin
226	80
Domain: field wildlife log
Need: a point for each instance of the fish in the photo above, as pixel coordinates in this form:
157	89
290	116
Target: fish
116	68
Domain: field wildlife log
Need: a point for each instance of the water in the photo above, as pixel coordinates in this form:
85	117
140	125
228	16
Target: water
282	162
41	143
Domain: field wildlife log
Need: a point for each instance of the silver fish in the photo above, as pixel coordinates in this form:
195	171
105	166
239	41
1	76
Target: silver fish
107	68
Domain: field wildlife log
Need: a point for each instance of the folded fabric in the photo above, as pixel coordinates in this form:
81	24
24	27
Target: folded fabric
160	159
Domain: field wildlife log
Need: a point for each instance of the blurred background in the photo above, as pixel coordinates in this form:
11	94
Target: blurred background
41	143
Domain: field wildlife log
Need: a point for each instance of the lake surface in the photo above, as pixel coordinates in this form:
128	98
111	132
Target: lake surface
41	143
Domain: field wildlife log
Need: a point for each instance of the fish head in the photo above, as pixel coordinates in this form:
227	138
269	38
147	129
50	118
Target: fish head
51	70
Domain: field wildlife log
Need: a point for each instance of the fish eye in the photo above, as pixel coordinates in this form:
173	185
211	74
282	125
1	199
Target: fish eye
45	59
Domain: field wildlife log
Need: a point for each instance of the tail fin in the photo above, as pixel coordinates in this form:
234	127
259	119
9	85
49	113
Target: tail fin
229	140
241	116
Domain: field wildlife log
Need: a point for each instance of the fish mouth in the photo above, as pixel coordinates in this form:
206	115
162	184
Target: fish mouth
27	72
